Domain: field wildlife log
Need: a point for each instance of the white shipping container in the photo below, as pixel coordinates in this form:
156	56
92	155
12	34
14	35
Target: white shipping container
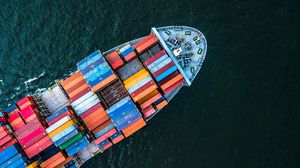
162	64
58	124
158	61
140	84
82	98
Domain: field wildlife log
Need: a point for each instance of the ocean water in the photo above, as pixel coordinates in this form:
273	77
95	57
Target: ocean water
242	110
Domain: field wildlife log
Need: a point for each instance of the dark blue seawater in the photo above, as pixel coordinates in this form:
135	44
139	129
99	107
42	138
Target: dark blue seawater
243	109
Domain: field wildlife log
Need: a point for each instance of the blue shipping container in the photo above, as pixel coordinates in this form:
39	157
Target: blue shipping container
103	143
103	131
126	122
92	65
76	144
11	108
84	62
78	148
166	73
67	137
55	115
63	133
9	152
100	78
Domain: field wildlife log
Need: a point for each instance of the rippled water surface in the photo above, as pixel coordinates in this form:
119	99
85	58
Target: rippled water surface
241	111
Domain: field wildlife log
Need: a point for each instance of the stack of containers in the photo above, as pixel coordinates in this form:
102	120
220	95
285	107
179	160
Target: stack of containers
140	84
105	145
96	71
75	86
164	71
55	160
33	138
124	115
11	110
113	93
16	121
66	135
6	137
114	60
12	156
146	43
3	117
127	52
26	101
117	137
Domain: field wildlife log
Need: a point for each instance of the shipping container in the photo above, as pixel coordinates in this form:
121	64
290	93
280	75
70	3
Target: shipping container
63	133
174	86
91	110
8	144
9	152
171	82
114	60
150	101
96	122
70	141
38	146
146	43
105	136
51	160
67	137
152	59
148	111
130	69
137	125
117	137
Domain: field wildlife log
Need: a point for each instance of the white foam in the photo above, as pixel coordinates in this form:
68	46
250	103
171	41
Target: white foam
34	78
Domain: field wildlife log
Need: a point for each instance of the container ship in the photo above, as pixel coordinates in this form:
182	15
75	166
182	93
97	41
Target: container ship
109	97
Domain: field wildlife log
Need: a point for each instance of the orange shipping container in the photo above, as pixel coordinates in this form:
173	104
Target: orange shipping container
56	162
71	78
171	82
97	122
144	93
78	90
150	101
147	97
161	105
50	160
137	125
104	83
102	126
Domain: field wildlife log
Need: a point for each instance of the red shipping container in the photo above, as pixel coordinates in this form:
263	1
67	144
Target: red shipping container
114	60
17	124
91	110
5	139
38	147
163	69
105	136
146	43
27	129
28	111
26	101
150	101
107	146
33	140
9	143
142	88
169	77
31	118
32	135
155	57
174	86
13	117
148	111
130	56
80	94
3	119
67	113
